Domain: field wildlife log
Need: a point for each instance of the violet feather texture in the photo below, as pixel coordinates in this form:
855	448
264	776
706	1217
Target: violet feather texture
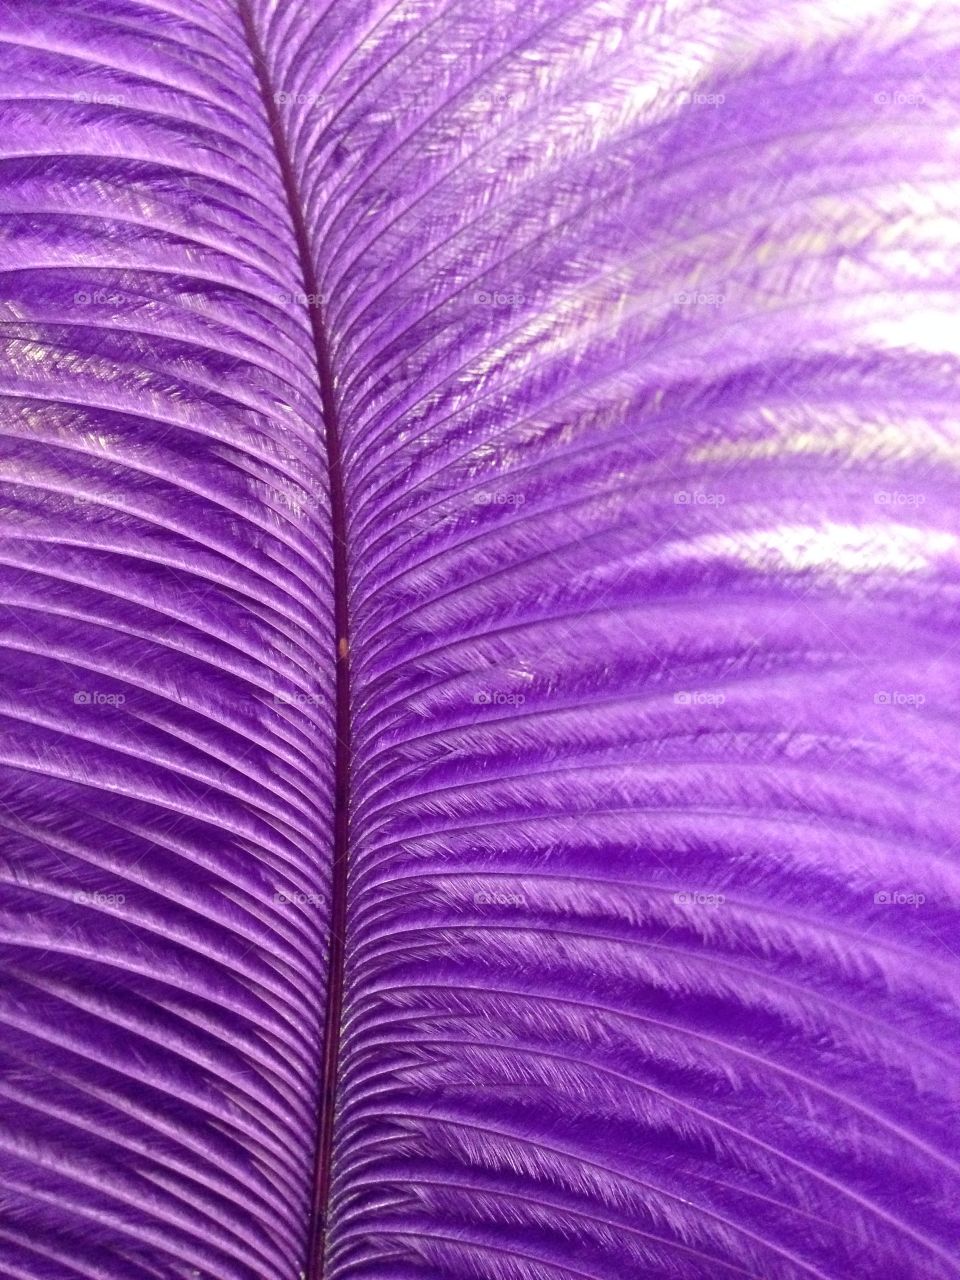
478	640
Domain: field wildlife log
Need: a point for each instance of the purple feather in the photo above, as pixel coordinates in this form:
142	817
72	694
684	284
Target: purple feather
479	584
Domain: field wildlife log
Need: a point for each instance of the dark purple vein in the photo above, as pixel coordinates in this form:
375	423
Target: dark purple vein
338	887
